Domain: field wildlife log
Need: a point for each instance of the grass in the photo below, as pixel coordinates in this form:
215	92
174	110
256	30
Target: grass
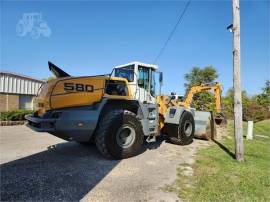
219	177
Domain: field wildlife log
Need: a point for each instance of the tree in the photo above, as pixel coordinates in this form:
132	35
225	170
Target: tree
266	88
227	104
252	109
198	76
204	100
264	98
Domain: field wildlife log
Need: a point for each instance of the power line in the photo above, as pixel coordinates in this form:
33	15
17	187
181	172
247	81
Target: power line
173	30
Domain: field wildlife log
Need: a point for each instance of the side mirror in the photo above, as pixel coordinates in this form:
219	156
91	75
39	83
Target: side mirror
160	78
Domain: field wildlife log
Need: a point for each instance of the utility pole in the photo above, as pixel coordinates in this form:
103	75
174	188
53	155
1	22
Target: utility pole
238	128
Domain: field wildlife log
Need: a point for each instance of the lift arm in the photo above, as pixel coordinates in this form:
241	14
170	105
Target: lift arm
204	87
165	102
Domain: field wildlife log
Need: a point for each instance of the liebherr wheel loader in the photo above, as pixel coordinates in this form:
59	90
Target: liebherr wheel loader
117	110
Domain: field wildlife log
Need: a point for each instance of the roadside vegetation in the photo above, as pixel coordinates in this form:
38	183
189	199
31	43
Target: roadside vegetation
16	115
255	108
217	176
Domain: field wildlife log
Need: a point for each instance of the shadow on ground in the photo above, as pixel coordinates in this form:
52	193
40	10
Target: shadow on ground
65	172
225	149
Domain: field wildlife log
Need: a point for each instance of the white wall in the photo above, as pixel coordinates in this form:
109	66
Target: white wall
18	85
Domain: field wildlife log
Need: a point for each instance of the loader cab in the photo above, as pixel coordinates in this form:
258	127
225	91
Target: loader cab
142	79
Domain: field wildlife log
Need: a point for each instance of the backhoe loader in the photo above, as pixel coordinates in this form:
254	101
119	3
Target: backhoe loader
117	111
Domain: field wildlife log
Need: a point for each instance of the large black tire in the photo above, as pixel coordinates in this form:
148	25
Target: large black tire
107	134
183	133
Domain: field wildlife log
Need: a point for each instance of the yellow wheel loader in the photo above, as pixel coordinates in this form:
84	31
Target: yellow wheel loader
117	110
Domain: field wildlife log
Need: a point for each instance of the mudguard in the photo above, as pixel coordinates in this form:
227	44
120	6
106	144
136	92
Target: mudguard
174	113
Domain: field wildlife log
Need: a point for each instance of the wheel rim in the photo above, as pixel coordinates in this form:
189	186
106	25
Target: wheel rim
188	128
125	136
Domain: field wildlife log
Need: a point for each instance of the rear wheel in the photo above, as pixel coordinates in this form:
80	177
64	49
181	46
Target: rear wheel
183	133
119	134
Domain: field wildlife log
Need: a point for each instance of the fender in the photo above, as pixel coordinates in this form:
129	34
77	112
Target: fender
174	114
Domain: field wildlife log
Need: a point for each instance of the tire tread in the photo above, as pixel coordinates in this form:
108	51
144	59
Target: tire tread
104	127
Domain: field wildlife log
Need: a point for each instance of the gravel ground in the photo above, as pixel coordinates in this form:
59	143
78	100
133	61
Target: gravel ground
41	167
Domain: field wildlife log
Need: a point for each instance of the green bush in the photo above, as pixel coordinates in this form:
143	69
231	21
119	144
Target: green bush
255	108
17	115
253	111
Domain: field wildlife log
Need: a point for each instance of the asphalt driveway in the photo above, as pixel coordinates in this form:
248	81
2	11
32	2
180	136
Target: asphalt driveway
41	167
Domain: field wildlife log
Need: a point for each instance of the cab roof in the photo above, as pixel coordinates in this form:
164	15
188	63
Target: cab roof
152	66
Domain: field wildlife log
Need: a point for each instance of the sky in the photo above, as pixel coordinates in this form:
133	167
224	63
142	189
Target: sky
91	37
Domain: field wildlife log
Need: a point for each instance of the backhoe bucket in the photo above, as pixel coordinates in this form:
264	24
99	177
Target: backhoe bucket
205	127
220	120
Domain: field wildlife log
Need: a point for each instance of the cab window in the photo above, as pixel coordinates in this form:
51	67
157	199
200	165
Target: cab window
126	72
143	77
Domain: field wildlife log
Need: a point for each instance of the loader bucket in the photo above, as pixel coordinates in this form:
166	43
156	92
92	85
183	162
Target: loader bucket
204	125
220	120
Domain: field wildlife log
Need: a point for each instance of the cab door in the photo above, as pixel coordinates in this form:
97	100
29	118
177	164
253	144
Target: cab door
146	85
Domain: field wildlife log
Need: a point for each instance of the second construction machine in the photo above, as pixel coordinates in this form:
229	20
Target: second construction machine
117	111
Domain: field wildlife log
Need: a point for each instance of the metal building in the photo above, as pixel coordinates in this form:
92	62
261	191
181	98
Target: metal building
17	91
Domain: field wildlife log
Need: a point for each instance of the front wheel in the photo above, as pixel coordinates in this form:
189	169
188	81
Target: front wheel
119	134
183	133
